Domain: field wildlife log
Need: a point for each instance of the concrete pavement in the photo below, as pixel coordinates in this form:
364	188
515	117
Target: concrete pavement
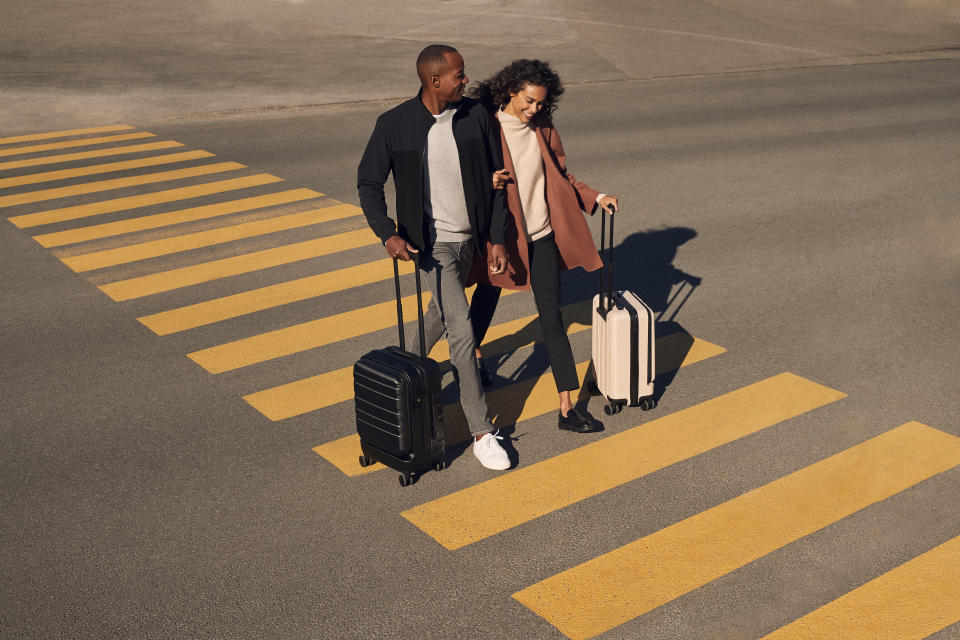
89	63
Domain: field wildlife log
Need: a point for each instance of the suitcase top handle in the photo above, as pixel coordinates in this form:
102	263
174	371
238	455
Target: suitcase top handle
606	274
396	282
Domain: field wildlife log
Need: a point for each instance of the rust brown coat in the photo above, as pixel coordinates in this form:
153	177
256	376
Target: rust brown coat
567	198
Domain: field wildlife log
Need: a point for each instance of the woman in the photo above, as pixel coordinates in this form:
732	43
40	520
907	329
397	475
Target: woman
549	233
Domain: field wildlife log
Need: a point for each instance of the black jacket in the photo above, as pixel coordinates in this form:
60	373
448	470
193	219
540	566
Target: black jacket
398	144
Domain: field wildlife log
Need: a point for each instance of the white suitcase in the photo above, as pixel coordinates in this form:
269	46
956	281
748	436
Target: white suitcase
623	343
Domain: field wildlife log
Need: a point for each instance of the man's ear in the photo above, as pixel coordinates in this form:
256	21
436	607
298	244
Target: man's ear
435	79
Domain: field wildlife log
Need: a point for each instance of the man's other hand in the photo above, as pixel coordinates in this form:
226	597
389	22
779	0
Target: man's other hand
497	259
501	179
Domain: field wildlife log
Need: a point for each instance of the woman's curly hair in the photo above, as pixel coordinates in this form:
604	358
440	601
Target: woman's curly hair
494	92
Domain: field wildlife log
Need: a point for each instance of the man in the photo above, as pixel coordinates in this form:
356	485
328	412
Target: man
442	152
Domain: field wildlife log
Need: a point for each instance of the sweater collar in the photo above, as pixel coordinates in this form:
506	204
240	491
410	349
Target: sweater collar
426	112
512	122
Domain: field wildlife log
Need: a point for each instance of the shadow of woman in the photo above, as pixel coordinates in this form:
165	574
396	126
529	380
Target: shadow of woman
643	264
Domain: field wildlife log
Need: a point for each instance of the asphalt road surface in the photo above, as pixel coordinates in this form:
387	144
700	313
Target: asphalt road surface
187	280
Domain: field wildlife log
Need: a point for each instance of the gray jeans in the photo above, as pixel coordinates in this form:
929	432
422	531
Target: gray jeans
444	270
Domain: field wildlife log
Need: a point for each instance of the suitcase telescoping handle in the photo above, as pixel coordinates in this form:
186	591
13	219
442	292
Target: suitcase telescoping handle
396	282
606	275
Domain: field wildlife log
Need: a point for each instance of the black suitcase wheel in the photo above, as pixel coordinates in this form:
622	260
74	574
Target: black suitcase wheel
365	461
648	403
440	466
405	480
612	408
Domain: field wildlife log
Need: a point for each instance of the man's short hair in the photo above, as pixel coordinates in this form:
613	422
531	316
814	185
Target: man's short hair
431	58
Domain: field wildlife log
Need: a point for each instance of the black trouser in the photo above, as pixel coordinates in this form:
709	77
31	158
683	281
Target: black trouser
545	282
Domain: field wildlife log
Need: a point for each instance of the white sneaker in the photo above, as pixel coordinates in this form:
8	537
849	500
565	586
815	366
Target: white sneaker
490	453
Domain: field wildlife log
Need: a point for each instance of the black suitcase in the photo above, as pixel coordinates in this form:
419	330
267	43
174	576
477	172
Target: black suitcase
397	403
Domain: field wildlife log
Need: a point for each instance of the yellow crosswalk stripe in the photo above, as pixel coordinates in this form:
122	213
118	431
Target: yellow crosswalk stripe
326	389
911	602
623	584
536	397
219	309
300	337
86	155
302	396
145	200
64	134
84	142
170	218
117	183
307	335
491	507
63	174
225	267
211	237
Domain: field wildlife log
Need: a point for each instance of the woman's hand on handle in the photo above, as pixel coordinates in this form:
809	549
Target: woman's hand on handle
399	248
608	202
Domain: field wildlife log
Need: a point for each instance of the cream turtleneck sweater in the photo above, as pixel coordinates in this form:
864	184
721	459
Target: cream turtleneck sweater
531	183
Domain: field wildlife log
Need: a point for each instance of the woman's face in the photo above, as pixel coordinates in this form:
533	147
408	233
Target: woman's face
527	102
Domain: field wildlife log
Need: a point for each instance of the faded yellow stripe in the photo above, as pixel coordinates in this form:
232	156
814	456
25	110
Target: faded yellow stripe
143	223
145	200
911	602
116	183
219	309
302	396
86	155
304	336
536	397
62	134
85	142
344	454
530	492
63	174
316	392
618	586
211	237
307	335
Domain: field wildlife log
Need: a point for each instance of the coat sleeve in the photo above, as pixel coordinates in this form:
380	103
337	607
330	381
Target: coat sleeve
499	210
587	194
371	175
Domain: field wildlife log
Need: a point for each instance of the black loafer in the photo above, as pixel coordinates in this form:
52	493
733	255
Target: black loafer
579	422
486	379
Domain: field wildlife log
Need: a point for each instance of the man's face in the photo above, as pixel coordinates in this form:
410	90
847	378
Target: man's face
452	79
